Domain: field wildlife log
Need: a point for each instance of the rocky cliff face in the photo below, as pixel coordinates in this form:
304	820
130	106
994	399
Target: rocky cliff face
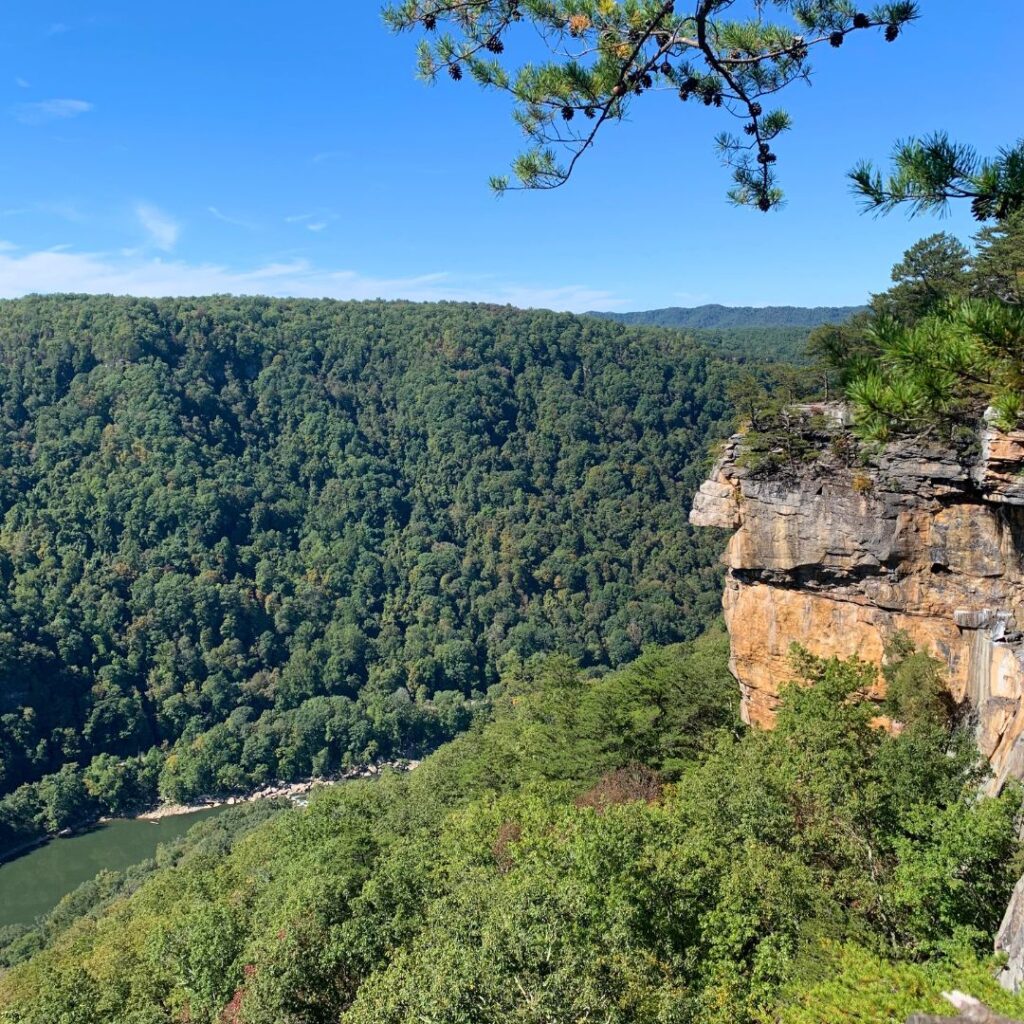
842	553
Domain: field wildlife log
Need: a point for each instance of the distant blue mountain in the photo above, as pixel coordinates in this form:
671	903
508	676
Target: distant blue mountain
725	317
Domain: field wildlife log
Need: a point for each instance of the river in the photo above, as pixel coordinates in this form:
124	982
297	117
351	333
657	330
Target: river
35	882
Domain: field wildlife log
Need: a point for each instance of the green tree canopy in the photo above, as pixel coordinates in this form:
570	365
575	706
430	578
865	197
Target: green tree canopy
260	537
945	343
615	850
931	271
998	268
599	56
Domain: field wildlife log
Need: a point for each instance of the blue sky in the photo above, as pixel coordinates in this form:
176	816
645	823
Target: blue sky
287	148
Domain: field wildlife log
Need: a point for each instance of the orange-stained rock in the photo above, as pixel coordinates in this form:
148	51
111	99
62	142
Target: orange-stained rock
840	557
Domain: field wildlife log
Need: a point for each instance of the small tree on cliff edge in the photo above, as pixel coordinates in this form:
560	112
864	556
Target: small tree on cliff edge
910	373
602	55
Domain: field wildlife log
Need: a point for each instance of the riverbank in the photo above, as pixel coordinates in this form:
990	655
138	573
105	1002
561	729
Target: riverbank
32	884
294	791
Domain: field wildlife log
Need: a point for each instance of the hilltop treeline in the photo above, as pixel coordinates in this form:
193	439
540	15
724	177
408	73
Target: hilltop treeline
245	539
718	317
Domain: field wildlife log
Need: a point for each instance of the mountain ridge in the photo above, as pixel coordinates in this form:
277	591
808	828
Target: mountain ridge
715	315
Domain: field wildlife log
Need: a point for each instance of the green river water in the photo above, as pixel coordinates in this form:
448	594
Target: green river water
35	882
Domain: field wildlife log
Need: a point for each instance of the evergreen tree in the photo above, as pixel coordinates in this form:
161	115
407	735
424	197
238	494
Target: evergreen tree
998	268
604	54
931	171
931	272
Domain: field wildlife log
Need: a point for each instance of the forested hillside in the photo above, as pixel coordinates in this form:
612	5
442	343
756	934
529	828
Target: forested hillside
611	850
758	344
245	539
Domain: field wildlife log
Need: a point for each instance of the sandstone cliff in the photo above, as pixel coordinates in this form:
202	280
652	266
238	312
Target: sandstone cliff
841	553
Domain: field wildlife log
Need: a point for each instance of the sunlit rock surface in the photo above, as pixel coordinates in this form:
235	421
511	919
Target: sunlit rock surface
839	557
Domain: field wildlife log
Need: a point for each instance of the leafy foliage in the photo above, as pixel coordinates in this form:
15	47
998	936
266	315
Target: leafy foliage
494	885
998	268
251	539
946	368
950	366
931	272
847	984
783	432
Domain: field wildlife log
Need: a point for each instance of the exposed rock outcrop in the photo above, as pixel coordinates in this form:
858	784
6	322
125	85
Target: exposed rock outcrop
1010	940
969	1011
840	554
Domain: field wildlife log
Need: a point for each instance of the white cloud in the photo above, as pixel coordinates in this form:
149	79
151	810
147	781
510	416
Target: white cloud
103	273
21	83
323	219
58	28
51	110
163	231
233	221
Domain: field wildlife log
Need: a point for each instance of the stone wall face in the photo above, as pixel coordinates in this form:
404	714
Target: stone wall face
838	558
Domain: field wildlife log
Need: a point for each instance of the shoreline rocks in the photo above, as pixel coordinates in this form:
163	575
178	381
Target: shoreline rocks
294	791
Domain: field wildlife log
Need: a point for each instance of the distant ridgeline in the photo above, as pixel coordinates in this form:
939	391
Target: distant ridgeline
251	539
767	332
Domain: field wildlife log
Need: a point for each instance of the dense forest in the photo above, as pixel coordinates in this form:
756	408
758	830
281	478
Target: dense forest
249	539
756	344
612	849
245	540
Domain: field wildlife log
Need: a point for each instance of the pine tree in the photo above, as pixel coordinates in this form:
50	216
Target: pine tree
604	54
931	171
